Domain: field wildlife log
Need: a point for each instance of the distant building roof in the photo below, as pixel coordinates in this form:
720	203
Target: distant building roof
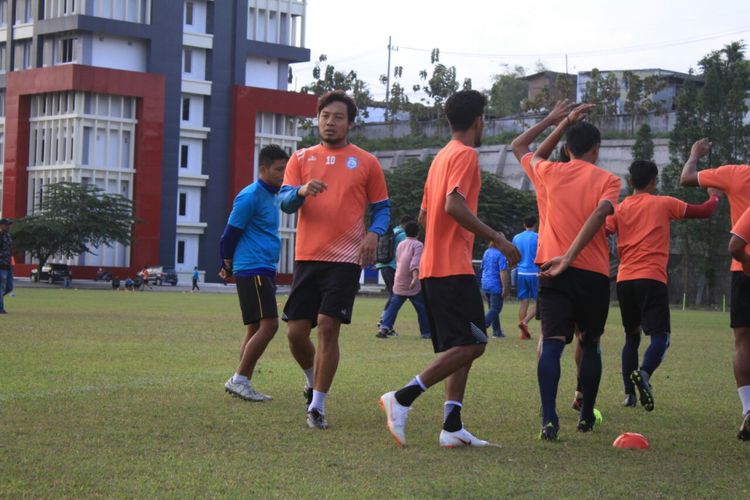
547	73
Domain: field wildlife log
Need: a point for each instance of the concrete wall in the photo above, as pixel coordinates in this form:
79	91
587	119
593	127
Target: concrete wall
615	156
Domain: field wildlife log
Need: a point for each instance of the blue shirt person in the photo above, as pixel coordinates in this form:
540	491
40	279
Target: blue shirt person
495	285
528	274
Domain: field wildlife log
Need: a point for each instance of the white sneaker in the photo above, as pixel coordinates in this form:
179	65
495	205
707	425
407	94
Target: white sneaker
460	438
244	391
396	415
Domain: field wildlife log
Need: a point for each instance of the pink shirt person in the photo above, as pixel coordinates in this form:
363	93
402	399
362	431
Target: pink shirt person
408	254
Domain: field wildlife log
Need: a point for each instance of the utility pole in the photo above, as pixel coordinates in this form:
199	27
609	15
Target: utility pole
388	79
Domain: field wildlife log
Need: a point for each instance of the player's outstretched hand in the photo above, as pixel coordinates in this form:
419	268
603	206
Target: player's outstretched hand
579	113
312	188
560	111
700	148
508	249
367	249
554	267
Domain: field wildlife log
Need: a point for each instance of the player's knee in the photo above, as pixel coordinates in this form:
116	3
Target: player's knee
589	342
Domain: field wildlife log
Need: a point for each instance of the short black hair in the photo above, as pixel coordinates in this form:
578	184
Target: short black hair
407	218
463	107
339	96
562	155
270	154
581	138
642	172
411	229
529	221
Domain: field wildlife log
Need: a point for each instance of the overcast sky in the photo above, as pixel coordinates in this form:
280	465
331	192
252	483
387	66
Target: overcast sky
481	37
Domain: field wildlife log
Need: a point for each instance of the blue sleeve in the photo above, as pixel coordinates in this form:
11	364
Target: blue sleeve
243	209
380	216
502	262
229	240
290	200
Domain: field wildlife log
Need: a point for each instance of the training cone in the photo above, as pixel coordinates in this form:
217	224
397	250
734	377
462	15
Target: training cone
631	440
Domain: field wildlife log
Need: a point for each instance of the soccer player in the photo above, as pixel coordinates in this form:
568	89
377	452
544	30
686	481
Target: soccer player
574	257
454	302
528	274
734	180
249	248
330	186
641	222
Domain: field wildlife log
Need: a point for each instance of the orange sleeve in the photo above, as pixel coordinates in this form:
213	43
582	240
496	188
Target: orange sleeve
376	187
542	169
462	172
719	178
676	208
527	168
742	228
292	174
611	191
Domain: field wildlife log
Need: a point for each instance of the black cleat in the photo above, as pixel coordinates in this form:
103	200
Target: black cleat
549	432
584	426
630	401
316	420
307	393
640	380
744	433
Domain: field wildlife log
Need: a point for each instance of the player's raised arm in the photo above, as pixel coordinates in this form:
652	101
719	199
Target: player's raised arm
689	176
548	145
520	145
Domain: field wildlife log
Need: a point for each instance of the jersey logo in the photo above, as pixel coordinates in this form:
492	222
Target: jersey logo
352	162
330	160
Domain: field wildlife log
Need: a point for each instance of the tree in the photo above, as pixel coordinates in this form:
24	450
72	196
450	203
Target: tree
397	100
643	149
328	78
639	100
602	91
72	219
507	92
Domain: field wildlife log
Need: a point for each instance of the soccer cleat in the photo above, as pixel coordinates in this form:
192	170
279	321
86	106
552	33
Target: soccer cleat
549	432
392	333
525	334
630	401
460	438
585	426
307	393
382	334
499	335
577	402
244	391
744	433
316	420
640	380
395	415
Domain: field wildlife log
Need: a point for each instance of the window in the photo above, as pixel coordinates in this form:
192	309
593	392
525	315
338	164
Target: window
186	109
3	12
184	156
188	60
180	252
182	210
189	13
3	56
66	54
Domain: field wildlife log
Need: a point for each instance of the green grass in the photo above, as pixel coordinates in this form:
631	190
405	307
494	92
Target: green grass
120	394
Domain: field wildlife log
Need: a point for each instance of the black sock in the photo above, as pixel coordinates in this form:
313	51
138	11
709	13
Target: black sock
408	394
453	420
591	374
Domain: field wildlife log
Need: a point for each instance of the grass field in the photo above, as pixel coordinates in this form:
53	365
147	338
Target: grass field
121	394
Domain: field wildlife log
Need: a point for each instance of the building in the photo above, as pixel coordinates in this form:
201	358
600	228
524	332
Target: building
166	102
673	82
557	85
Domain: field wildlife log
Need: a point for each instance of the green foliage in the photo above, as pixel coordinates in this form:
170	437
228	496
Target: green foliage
643	149
500	206
507	93
72	219
603	92
328	78
639	100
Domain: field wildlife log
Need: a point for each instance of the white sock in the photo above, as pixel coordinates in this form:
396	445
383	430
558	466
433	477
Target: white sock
240	379
419	383
745	398
318	401
309	376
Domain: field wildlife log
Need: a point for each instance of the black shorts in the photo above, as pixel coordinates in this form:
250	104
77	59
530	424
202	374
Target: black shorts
455	310
644	303
739	309
575	297
322	288
257	298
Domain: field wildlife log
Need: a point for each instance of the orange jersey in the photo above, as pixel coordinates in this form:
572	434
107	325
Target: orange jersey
741	229
541	193
734	180
331	225
574	189
641	222
448	246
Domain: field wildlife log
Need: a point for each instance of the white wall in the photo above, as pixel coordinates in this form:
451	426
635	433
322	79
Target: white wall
196	110
195	156
193	206
262	72
199	18
119	53
198	64
191	254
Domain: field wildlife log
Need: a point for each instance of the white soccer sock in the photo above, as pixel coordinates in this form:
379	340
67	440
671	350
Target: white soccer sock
309	376
318	401
240	379
419	383
745	398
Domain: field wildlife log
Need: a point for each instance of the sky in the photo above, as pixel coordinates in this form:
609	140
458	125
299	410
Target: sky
482	38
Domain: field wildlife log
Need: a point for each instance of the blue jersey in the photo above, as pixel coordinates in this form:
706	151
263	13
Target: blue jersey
526	243
256	213
493	261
